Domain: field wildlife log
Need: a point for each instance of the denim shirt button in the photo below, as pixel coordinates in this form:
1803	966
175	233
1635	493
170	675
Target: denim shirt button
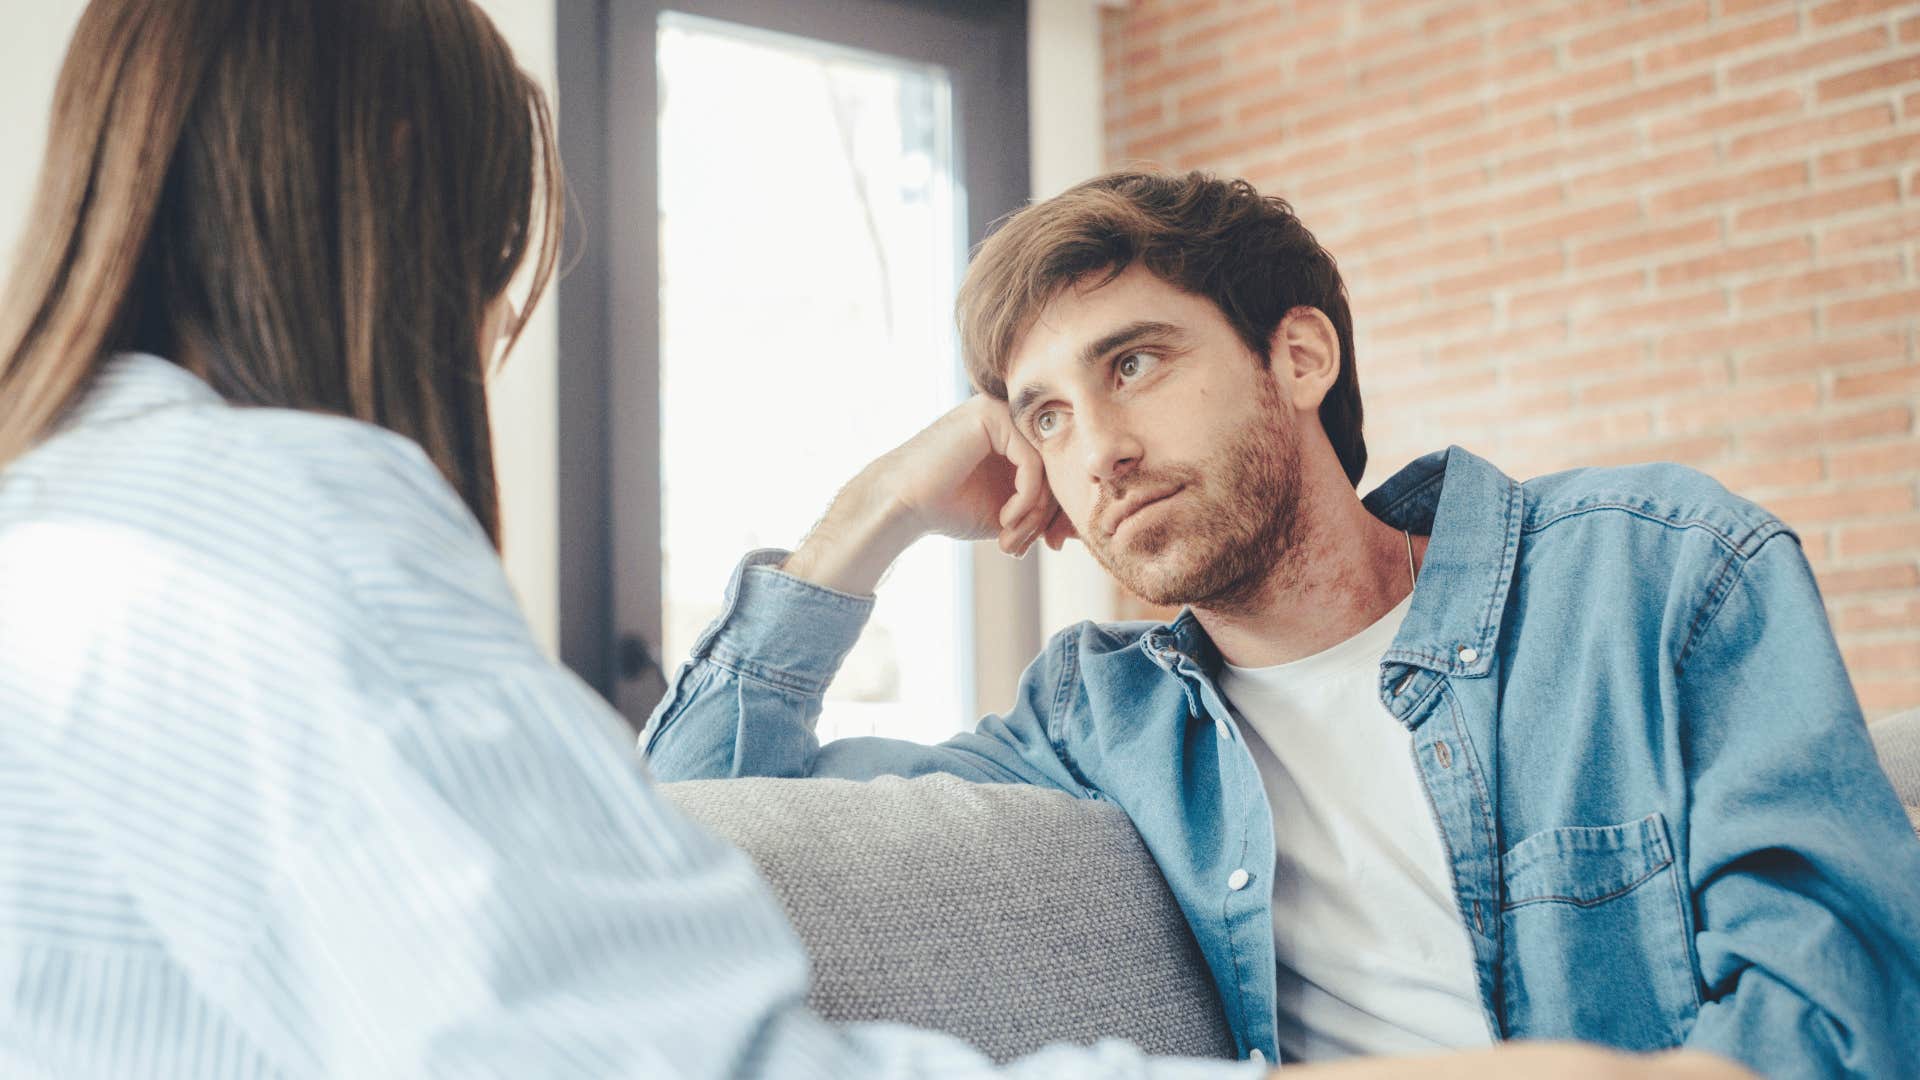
1468	654
1238	880
1443	754
1254	1055
1225	732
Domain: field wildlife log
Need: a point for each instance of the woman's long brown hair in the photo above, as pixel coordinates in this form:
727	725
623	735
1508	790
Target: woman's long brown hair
318	200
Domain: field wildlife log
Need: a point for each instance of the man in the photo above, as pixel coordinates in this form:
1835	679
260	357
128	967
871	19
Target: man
1599	776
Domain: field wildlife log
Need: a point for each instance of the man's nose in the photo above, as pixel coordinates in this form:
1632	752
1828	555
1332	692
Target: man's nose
1112	449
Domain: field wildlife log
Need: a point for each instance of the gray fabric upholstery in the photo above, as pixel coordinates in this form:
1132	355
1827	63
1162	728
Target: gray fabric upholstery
1011	916
1897	739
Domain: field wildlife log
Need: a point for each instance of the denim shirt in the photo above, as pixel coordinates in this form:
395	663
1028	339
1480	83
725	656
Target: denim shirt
1663	815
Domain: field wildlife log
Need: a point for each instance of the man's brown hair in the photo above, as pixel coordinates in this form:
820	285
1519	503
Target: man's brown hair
1218	239
323	196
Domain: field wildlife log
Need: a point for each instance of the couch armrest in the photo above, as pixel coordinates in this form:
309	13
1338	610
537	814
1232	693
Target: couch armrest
1897	740
1008	915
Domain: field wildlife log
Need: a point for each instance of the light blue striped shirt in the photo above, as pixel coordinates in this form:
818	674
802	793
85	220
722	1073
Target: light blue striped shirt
287	789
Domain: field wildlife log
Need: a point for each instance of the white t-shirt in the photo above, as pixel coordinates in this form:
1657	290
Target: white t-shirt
1374	955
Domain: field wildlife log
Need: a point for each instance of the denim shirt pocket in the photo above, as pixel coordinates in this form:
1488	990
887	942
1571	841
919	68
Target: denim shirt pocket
1596	933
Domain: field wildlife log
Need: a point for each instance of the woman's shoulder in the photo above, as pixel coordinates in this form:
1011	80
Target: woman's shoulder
305	513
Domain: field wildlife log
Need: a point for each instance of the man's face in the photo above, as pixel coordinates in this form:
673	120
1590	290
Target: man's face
1167	443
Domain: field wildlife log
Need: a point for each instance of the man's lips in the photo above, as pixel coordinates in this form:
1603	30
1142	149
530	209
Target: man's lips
1119	514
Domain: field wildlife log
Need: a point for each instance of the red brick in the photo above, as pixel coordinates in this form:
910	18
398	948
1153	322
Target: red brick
1884	613
1828	354
1153	80
1822	205
1562	156
1640	102
1900	305
1274	106
1900	381
1770	475
1611	360
1518	65
1881	698
1680	54
1858	540
1842	10
1650	316
1640	172
1586	431
1884	577
1513	349
1478	146
1876	658
1580	296
1873	155
1733	9
1882	231
1649	388
1491	212
1565	87
1467	80
1231	26
1730	262
1802	133
1700	451
1734	407
1818	54
1879	76
1354	178
1716	118
1620	35
1392	69
1874	501
1501	274
1833	426
1910	30
1812	283
1646	242
1554	19
1561	226
1447	322
1690	345
1880	459
1150	19
1729	188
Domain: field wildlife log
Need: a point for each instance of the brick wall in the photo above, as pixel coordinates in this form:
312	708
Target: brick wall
1598	232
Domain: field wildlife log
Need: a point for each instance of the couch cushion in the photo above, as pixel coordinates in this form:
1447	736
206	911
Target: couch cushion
1011	916
1897	739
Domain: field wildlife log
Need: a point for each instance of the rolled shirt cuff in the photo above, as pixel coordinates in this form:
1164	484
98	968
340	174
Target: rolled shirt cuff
782	630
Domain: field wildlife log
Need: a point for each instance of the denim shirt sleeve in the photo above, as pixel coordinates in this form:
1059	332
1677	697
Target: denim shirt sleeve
1804	869
746	702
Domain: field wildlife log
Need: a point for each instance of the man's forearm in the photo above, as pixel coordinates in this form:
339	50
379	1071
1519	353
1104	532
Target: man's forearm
863	532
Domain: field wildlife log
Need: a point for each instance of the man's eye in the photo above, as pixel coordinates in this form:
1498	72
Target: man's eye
1133	365
1046	422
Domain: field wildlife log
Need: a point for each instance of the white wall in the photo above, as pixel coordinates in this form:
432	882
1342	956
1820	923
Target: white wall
524	412
526	392
1065	124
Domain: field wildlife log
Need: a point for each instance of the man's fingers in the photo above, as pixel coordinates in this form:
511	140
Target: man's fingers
1059	530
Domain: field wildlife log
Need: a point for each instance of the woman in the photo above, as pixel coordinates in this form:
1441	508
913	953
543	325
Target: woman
286	788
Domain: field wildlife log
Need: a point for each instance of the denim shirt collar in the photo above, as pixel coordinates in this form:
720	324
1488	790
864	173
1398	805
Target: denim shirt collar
1473	512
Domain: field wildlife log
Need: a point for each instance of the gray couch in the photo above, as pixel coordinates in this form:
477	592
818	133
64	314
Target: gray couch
1011	916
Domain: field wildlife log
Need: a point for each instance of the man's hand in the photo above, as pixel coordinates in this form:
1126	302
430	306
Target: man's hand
969	475
1528	1061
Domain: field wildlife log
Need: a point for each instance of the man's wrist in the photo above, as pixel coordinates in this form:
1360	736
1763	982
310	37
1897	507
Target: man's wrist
852	547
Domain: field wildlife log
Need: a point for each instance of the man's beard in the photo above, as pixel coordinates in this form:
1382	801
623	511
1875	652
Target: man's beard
1233	528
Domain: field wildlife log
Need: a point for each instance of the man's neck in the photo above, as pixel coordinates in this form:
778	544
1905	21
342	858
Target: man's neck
1346	570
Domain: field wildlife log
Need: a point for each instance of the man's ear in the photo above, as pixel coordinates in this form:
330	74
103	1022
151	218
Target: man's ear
1309	348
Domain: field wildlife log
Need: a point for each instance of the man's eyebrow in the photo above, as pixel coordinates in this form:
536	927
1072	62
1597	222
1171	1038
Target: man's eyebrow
1094	352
